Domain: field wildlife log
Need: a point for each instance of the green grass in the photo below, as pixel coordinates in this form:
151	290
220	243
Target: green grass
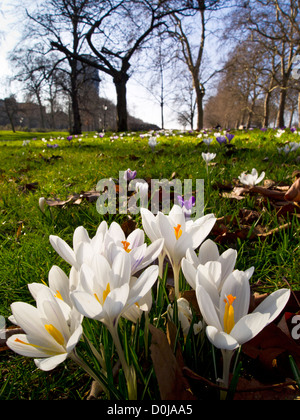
26	256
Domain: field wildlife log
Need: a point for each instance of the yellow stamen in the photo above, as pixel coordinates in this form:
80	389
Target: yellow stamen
229	314
57	335
178	231
96	296
126	246
58	295
17	340
105	294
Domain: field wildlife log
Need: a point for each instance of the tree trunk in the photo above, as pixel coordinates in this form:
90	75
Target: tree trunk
9	114
200	92
120	84
76	128
41	110
266	110
281	108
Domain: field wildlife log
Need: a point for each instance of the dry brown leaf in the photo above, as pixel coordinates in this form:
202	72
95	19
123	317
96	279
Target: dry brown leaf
236	193
272	194
270	350
171	381
293	193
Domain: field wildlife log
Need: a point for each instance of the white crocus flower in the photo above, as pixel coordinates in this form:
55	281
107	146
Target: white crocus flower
208	157
50	336
251	179
185	315
140	254
106	291
83	246
208	262
180	235
230	325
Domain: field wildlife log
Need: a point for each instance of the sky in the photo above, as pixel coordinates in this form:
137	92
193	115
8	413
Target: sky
140	103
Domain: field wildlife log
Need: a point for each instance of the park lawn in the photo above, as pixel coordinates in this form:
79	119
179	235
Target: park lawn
34	170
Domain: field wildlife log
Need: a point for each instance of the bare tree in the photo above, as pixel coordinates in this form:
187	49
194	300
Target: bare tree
117	32
185	31
275	24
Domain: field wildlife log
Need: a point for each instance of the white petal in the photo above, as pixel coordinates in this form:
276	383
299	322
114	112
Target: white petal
249	326
167	232
63	249
208	251
200	230
51	362
116	232
237	285
274	303
121	267
209	286
207	308
86	304
27	317
20	344
75	337
84	253
136	238
80	235
228	260
260	178
220	339
143	284
115	303
191	256
189	272
150	224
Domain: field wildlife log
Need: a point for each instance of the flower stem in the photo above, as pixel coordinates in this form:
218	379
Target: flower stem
176	271
74	356
227	357
129	371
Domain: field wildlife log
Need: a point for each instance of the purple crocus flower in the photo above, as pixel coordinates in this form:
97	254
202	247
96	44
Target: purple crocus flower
222	139
129	175
186	205
52	146
69	138
229	137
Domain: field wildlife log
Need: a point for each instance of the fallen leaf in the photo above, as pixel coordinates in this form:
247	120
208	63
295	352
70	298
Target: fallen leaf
171	381
270	350
293	193
236	193
272	194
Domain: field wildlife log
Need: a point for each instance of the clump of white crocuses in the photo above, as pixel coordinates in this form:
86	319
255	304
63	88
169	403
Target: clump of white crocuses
111	281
